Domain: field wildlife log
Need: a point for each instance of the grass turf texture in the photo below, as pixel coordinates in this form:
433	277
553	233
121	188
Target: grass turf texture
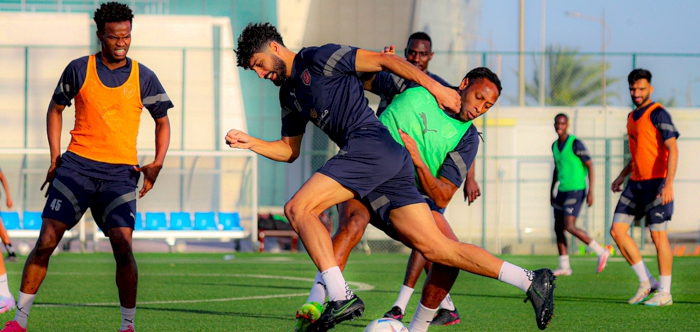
261	292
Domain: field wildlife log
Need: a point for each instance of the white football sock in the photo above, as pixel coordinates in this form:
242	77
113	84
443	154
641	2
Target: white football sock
24	304
665	284
4	288
596	247
422	318
447	303
516	276
318	290
649	275
640	270
404	296
127	317
564	262
335	285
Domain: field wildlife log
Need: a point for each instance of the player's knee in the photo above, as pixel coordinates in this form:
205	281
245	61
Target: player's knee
615	232
45	245
431	253
293	210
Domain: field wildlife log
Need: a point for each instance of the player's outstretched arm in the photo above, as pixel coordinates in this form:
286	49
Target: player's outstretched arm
54	125
591	182
471	187
555	175
666	193
286	149
616	186
368	61
439	190
151	171
7	190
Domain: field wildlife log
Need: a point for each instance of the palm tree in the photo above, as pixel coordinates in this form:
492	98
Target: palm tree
573	80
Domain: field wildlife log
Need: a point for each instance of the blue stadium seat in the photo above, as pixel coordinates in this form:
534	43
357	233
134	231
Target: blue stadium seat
205	221
31	220
156	221
10	220
230	221
138	222
180	221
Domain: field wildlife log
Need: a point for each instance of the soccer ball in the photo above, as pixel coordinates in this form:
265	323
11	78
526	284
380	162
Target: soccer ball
385	325
23	248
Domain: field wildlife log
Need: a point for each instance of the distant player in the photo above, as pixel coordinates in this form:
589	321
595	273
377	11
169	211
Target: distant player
649	191
321	85
572	163
100	169
11	255
7	301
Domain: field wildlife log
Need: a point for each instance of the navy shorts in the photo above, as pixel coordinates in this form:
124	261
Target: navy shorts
112	203
640	199
568	203
377	168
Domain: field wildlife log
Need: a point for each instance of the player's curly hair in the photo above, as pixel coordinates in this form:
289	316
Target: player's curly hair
253	39
484	73
110	12
639	74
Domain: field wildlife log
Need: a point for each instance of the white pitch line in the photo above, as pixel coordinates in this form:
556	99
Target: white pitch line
359	286
261	297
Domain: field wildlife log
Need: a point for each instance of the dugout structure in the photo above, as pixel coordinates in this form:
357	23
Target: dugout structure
204	184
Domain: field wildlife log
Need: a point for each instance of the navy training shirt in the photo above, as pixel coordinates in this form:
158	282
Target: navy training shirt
661	120
325	88
153	97
579	148
458	161
387	85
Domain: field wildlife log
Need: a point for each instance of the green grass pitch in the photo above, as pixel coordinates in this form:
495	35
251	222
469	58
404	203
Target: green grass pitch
261	292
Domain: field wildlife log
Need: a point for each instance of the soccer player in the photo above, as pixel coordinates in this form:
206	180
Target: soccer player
572	163
649	191
387	85
440	158
100	169
7	301
321	85
418	53
11	255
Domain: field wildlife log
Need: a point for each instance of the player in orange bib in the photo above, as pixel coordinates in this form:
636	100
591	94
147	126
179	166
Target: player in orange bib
649	191
99	170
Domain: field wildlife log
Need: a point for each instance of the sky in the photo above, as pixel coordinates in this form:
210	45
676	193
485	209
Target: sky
635	26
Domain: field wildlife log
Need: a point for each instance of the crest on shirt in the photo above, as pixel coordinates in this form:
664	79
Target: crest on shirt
129	90
313	113
306	77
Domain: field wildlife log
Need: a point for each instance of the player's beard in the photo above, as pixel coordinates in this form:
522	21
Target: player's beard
280	71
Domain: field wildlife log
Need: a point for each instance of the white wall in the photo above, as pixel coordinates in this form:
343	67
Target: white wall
157	43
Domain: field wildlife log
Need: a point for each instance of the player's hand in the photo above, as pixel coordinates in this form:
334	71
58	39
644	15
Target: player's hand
238	139
50	175
666	194
390	50
589	198
9	203
150	173
471	191
447	98
616	186
411	146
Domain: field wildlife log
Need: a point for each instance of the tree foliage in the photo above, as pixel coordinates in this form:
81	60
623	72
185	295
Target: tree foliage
572	79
